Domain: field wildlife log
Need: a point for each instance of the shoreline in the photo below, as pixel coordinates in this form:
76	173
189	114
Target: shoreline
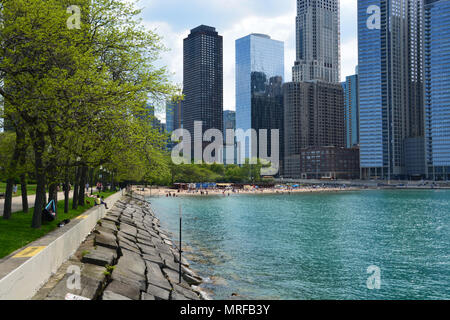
167	192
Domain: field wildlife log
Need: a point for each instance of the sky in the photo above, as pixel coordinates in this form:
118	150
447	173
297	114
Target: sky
233	19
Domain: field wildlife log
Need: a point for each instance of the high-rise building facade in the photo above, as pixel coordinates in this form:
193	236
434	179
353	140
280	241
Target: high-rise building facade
203	79
229	123
173	115
259	69
390	88
313	117
437	88
318	41
351	100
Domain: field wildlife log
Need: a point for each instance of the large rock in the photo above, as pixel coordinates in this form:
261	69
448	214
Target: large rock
109	295
109	225
128	229
156	277
125	247
147	249
89	288
172	275
177	296
183	290
158	293
153	258
126	237
129	278
132	262
146	296
106	240
101	256
126	290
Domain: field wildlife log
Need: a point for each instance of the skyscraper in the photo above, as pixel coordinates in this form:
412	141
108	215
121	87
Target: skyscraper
259	70
351	100
229	122
390	79
318	41
313	117
173	115
203	79
437	88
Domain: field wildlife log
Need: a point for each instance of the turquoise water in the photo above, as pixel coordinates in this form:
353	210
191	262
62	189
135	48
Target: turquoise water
317	245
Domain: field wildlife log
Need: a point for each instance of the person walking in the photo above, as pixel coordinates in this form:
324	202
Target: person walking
15	189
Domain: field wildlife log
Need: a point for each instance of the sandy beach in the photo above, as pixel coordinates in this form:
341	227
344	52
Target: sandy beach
166	192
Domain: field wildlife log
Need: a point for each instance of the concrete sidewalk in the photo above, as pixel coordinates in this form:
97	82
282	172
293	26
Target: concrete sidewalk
17	202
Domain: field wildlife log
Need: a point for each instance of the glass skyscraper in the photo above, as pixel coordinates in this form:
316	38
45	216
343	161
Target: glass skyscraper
173	115
390	86
351	100
259	60
437	88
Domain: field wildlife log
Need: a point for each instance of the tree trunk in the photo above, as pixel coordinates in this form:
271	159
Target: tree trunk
75	189
23	188
39	203
83	180
7	209
66	192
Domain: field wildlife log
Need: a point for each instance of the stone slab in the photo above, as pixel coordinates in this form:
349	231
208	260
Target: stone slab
126	290
109	295
101	257
158	293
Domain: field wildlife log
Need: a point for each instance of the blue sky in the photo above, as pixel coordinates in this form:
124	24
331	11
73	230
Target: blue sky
172	19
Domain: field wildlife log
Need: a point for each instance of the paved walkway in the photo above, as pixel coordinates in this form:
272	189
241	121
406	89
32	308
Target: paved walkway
17	202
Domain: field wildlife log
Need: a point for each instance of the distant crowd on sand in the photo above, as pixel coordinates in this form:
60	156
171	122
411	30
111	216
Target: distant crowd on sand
250	189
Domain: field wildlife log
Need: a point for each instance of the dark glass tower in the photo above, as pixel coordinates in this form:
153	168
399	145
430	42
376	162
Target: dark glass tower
203	79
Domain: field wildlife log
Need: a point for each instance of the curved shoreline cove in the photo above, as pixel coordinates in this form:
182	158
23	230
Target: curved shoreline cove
316	245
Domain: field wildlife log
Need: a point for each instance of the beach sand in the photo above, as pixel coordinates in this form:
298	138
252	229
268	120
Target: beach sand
163	191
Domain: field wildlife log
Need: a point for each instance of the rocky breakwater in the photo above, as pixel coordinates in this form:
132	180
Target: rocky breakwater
142	262
127	256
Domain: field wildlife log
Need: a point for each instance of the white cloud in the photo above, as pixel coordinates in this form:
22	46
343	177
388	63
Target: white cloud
245	21
279	28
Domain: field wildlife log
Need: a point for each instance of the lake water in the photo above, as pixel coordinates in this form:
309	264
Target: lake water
317	245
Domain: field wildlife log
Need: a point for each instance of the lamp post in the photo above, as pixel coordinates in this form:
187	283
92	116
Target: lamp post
180	250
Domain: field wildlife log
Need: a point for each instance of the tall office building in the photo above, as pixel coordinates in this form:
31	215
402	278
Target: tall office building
259	75
351	100
313	117
437	88
203	79
229	122
318	41
390	78
173	115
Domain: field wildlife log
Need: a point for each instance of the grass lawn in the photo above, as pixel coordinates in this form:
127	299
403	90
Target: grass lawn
17	232
31	189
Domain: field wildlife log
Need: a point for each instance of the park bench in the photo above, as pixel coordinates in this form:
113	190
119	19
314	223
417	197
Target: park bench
2	195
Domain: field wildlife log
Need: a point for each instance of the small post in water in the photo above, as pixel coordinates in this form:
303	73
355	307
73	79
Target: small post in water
179	262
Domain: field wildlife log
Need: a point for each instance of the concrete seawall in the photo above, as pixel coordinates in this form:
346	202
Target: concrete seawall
21	275
127	257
